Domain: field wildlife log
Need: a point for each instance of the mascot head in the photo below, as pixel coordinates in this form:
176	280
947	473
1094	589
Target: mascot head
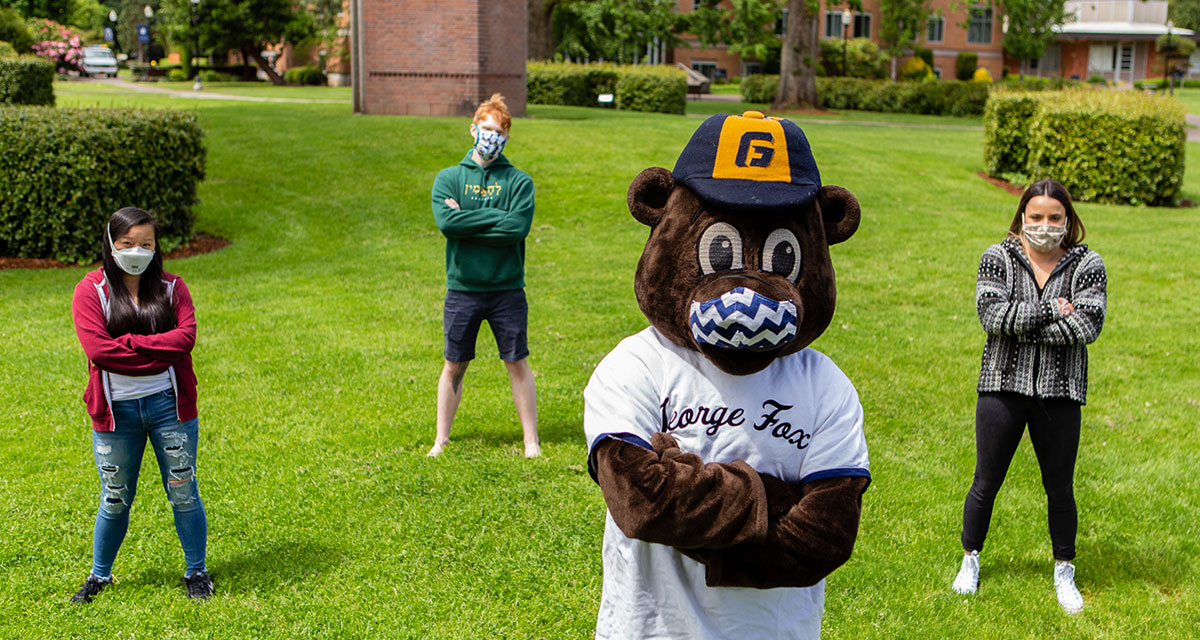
737	265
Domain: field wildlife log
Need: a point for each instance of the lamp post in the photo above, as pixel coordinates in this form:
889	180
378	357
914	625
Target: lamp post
846	18
196	86
1167	59
112	17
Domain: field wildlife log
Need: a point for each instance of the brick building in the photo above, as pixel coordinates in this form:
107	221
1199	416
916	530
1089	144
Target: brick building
1110	38
436	57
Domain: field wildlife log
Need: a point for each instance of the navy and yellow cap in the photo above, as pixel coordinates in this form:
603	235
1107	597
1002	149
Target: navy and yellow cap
749	162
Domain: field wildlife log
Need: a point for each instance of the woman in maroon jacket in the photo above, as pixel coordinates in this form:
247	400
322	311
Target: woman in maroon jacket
137	326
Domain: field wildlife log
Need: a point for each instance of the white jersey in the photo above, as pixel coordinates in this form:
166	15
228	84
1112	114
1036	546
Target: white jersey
799	419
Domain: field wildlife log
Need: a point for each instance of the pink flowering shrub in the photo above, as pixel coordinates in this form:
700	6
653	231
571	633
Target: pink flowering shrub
57	44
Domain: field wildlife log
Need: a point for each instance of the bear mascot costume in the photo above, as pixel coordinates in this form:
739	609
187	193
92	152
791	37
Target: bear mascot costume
731	456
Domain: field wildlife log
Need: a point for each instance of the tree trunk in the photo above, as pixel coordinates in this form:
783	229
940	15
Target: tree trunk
798	60
893	68
252	53
540	45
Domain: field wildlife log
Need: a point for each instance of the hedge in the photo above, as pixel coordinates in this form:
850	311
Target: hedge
1005	127
63	172
760	87
26	80
308	75
243	72
1107	146
636	87
1104	146
657	89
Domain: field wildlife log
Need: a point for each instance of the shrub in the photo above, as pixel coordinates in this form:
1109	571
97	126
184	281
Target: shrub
26	80
64	171
982	75
863	58
1107	146
7	50
760	87
636	87
58	44
209	75
945	97
308	75
1005	129
915	69
924	54
966	64
14	31
649	88
177	75
1013	83
1096	78
578	85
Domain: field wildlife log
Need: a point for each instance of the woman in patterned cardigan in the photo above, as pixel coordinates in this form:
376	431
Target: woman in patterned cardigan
1041	298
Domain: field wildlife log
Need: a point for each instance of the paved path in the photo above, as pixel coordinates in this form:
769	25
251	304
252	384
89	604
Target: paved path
203	94
1193	127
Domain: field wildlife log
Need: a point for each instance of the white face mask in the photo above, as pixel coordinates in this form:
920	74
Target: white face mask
133	260
1044	237
489	144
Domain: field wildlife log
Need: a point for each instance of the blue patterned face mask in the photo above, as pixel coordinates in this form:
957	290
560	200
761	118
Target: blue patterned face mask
743	319
489	144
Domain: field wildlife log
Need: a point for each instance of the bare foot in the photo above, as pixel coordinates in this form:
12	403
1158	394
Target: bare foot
533	450
437	449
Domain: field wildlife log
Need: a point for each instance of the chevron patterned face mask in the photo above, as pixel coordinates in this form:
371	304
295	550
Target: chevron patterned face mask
743	319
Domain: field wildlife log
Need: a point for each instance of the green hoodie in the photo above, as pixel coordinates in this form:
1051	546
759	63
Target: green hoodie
485	238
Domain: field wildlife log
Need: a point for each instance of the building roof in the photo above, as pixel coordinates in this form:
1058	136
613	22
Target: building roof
1140	30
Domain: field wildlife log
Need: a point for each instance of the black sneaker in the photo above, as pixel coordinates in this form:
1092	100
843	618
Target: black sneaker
91	587
199	585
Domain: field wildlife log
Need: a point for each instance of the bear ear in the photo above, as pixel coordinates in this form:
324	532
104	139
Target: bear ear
648	195
839	212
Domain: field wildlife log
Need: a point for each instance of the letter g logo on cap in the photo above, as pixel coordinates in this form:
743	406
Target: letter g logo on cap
752	149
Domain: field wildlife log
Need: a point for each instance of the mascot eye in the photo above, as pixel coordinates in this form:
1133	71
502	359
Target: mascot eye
720	249
781	254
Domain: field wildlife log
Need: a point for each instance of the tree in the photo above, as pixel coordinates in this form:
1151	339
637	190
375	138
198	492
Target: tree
901	22
1031	26
613	30
247	26
56	10
747	27
1185	13
798	58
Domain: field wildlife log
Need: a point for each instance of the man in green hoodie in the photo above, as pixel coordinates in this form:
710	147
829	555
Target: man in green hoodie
484	207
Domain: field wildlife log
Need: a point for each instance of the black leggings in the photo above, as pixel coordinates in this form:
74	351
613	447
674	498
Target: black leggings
1000	419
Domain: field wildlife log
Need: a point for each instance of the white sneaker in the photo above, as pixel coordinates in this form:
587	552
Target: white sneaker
967	580
1064	584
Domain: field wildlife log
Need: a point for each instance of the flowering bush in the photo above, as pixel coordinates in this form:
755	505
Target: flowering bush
57	44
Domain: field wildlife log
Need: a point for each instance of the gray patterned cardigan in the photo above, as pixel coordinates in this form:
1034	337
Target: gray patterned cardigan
1033	349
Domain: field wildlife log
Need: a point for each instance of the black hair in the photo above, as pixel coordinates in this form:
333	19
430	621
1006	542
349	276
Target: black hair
1053	189
154	312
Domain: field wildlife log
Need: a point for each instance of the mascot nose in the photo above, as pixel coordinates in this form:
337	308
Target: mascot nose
743	319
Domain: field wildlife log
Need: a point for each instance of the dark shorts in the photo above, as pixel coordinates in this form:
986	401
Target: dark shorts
506	312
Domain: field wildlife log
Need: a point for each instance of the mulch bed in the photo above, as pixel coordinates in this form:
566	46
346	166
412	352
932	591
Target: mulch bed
202	243
1014	189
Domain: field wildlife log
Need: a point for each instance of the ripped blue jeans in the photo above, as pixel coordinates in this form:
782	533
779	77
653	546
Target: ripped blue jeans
118	456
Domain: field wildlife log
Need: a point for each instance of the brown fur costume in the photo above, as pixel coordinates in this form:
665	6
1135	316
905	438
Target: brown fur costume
748	529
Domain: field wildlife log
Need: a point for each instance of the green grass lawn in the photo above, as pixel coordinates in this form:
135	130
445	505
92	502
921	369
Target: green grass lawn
1190	99
320	346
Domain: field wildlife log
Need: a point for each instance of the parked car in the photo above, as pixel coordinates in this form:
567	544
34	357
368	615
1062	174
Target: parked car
98	61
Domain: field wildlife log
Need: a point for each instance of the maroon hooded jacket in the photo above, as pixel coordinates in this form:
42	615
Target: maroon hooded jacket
134	355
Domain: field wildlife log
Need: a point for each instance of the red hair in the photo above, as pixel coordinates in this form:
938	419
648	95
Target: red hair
494	106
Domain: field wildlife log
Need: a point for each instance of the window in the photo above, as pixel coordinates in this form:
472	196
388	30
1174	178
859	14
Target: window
936	30
937	71
833	24
862	25
705	67
979	29
1101	57
781	23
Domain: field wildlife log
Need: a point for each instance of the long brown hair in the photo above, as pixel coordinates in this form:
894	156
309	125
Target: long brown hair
154	312
1053	189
